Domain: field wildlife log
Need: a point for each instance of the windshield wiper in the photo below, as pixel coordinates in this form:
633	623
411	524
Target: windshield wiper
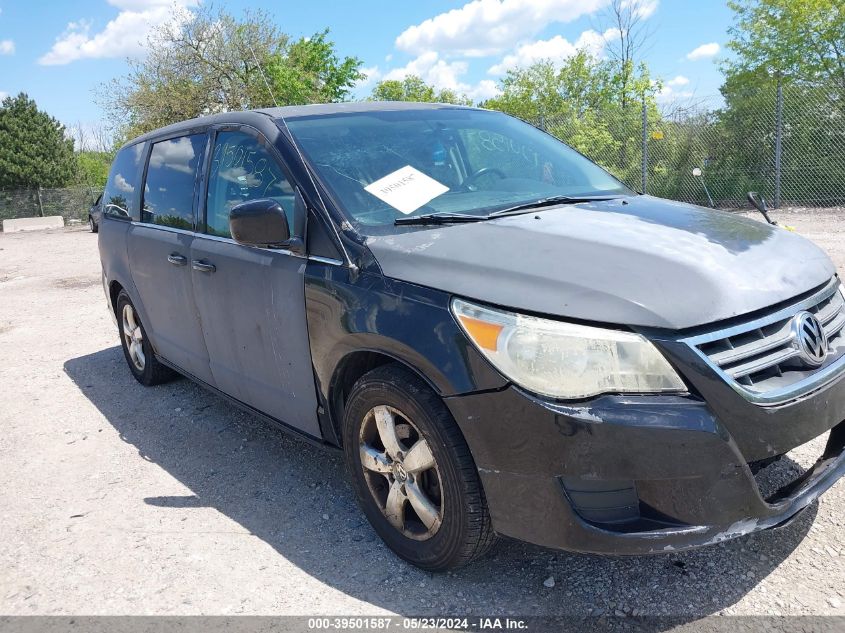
456	218
548	202
440	218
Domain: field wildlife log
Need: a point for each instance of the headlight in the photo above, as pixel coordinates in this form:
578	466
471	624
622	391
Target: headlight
565	360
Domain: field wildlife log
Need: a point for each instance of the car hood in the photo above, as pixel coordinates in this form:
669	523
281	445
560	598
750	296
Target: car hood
638	261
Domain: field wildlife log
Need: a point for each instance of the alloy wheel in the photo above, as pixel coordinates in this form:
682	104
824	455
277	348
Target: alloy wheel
134	337
401	473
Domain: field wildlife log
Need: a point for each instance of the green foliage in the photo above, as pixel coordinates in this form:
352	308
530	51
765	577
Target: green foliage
309	71
174	221
799	44
34	150
413	88
92	168
210	61
580	84
799	39
588	104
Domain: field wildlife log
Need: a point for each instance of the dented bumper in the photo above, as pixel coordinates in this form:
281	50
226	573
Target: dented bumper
634	475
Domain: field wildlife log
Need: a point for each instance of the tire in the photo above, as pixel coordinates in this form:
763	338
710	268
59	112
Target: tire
461	531
149	372
92	225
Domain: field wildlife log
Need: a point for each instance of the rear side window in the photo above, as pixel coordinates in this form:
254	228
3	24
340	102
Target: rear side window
171	178
122	187
243	169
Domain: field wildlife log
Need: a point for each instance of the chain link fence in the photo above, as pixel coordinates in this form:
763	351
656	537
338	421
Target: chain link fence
786	142
72	203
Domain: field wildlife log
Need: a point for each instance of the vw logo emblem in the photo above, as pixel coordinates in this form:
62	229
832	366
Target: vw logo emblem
399	472
810	338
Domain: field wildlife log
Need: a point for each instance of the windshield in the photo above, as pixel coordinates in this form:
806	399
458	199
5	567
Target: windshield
385	165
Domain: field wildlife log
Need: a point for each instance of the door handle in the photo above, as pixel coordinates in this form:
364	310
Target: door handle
203	267
176	259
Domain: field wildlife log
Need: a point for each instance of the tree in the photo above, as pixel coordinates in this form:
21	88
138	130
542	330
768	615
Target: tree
798	40
209	61
413	88
311	72
546	90
95	151
798	45
579	100
34	150
630	37
92	168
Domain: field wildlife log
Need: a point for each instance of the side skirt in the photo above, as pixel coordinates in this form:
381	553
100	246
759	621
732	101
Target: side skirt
287	428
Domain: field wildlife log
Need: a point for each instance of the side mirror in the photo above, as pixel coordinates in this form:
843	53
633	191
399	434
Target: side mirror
260	223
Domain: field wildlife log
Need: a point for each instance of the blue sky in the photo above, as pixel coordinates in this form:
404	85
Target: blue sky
61	52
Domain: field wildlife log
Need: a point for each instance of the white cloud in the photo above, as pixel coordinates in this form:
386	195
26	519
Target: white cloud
671	90
444	75
487	27
438	72
123	184
668	95
176	155
484	89
644	8
125	35
372	74
3	95
556	49
704	51
7	47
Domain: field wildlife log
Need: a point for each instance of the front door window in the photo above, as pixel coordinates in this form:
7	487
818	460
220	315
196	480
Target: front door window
243	169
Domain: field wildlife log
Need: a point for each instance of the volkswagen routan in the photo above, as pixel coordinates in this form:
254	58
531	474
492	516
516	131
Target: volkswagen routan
500	336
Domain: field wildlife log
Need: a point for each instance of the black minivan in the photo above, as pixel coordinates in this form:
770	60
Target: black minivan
501	336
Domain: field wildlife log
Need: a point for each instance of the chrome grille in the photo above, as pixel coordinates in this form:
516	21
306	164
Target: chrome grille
761	359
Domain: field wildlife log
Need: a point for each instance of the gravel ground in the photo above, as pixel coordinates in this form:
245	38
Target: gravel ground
117	499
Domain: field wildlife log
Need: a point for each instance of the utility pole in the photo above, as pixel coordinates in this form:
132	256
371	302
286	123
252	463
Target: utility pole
778	141
644	165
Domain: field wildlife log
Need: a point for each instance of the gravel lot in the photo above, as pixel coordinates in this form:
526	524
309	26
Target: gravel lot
117	499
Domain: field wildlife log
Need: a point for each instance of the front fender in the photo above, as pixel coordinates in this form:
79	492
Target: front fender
365	312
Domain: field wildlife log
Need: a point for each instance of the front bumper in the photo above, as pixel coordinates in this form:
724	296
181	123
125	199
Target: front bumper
635	475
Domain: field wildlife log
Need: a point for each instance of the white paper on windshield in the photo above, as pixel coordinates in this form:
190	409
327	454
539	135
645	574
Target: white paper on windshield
406	189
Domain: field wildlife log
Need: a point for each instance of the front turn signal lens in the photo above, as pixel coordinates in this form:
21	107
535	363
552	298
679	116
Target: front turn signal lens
483	333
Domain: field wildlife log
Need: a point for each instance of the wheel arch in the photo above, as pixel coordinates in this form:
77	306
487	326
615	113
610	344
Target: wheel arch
350	369
114	290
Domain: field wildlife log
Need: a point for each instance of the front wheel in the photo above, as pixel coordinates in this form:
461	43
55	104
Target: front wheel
92	225
412	471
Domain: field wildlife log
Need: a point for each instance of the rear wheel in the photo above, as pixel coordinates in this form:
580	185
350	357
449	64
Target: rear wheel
136	347
92	225
412	471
